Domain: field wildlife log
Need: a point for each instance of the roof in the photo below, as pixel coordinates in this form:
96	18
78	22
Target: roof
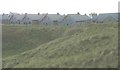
78	17
35	16
103	16
114	15
55	17
5	17
18	17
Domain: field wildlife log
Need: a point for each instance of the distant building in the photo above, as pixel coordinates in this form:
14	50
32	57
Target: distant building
76	18
5	18
107	17
16	19
52	19
33	18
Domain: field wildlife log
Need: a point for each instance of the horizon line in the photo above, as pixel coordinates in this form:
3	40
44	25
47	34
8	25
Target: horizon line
60	13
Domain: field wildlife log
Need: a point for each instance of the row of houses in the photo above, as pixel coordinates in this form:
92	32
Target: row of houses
15	18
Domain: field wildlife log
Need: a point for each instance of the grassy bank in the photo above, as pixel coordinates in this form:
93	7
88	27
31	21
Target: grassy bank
91	45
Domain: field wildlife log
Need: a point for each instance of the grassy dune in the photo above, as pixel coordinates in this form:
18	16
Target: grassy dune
91	45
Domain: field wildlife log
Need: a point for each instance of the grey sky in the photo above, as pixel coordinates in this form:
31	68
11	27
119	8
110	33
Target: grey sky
61	6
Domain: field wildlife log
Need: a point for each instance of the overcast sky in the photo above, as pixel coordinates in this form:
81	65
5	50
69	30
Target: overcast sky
61	6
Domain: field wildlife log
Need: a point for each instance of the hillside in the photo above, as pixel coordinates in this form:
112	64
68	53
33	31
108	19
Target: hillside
92	45
21	38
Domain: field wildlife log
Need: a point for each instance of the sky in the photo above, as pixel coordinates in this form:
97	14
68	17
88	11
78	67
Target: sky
59	6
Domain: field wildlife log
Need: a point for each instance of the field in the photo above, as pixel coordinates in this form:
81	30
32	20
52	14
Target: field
60	46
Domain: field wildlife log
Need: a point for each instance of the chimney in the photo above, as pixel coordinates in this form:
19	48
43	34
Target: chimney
38	13
78	13
58	14
25	13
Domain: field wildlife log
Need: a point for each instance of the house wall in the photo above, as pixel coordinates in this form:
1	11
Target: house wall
35	21
5	21
84	21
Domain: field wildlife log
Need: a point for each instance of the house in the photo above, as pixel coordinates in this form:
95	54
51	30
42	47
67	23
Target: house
107	17
76	18
5	18
115	16
33	18
52	19
16	19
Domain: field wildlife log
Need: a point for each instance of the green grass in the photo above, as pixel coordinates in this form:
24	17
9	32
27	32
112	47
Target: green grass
20	38
75	46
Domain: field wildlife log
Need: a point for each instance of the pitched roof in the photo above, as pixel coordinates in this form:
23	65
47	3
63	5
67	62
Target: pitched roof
35	16
103	16
5	17
18	17
114	15
54	17
78	17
